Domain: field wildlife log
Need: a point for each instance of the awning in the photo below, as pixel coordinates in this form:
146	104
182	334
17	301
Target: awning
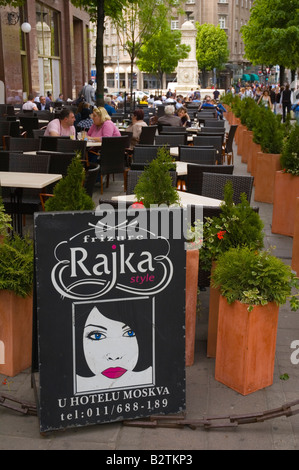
246	77
254	77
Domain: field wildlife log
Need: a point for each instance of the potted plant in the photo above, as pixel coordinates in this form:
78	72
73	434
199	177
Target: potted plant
269	133
286	188
5	221
155	187
253	284
69	193
237	225
16	303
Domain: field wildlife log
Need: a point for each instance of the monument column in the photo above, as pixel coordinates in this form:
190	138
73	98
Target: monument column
187	69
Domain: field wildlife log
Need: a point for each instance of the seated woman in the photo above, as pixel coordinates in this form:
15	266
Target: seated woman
85	122
185	119
102	127
136	126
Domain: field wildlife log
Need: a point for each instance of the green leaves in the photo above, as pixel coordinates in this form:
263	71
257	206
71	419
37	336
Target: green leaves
16	265
254	278
271	35
155	184
69	193
211	47
290	154
162	52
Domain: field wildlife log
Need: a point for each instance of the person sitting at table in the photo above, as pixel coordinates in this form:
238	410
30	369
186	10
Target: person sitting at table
42	105
30	105
63	125
136	126
102	127
169	118
108	106
185	118
85	122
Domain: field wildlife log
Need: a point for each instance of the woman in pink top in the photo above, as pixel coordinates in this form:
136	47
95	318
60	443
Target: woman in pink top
102	126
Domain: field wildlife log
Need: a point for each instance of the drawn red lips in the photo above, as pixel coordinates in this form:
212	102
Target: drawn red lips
114	372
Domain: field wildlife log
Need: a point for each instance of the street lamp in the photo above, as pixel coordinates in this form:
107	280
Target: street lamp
12	19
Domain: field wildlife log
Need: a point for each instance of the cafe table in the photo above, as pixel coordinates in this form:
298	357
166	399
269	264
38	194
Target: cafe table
18	181
185	199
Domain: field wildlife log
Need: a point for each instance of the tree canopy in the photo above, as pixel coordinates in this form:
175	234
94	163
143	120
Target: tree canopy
211	47
271	35
162	52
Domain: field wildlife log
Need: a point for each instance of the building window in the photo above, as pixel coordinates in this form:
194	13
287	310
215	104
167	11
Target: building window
236	24
110	80
222	22
48	48
222	1
174	24
190	1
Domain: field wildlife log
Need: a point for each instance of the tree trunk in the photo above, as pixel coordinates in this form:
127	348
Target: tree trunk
100	54
281	74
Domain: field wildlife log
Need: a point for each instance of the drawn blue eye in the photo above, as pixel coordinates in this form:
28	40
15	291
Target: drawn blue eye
129	333
96	336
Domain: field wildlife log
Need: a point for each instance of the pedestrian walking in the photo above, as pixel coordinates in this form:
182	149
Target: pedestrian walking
286	102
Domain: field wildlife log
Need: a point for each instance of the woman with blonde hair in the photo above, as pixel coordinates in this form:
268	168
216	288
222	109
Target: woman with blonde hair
102	125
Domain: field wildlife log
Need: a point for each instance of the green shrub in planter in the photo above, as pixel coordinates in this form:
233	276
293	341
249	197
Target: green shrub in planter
69	193
268	131
290	153
254	278
16	265
237	225
248	112
5	219
155	184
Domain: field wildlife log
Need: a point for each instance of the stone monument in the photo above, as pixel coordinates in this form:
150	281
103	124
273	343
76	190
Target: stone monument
187	69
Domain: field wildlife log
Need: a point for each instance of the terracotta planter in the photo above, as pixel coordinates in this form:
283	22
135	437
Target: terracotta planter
15	333
192	261
213	318
267	166
246	344
286	191
254	150
246	149
241	144
295	253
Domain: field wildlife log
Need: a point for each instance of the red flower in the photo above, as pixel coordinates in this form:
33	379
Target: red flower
137	205
220	234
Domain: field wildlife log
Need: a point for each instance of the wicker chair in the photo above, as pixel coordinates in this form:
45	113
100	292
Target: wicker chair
215	140
175	129
147	135
200	155
91	174
228	145
172	140
213	186
144	154
112	158
195	172
29	123
21	144
214	123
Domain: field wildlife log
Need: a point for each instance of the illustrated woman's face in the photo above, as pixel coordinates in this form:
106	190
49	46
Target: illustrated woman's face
110	346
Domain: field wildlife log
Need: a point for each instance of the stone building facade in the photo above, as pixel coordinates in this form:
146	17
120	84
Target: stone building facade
53	57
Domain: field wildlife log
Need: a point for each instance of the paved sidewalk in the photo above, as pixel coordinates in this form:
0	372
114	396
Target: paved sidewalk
205	397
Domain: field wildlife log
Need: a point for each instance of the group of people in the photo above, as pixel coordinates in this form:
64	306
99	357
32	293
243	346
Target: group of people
277	98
